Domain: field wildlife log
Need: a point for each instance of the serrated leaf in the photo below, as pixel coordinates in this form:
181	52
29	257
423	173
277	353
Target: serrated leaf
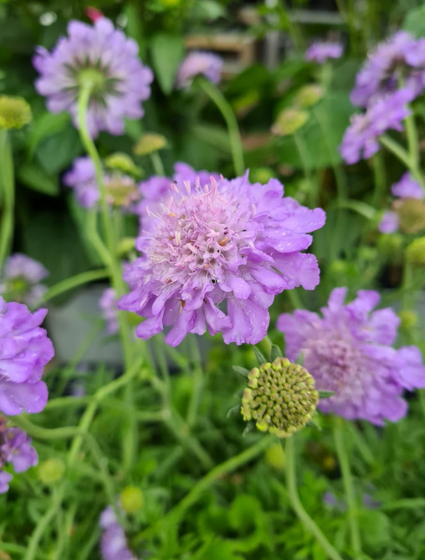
241	370
260	358
325	394
34	177
276	352
167	51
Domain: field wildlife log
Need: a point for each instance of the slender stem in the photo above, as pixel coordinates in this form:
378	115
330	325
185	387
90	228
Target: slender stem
7	183
350	495
74	282
193	496
157	163
42	525
380	179
302	515
412	139
198	382
304	156
232	124
404	157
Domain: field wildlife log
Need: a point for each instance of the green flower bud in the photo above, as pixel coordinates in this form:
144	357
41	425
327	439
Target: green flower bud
14	112
280	397
275	457
411	213
131	499
409	319
390	243
309	95
51	470
122	162
289	121
415	252
149	143
261	175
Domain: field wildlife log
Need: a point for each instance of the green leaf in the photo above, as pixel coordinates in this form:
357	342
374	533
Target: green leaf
260	358
276	352
374	528
167	52
414	21
34	177
325	394
241	370
57	151
45	125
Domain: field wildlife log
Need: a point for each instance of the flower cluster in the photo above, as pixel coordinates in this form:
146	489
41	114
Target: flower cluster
16	449
401	59
197	63
349	351
408	212
101	57
20	280
114	545
216	247
24	351
321	51
360	140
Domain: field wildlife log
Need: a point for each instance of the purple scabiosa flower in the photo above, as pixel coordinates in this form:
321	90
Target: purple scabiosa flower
20	280
360	140
108	306
15	449
199	62
321	51
216	255
349	351
399	59
114	545
100	55
389	222
24	351
407	187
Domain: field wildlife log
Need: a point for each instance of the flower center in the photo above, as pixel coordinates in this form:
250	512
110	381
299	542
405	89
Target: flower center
91	77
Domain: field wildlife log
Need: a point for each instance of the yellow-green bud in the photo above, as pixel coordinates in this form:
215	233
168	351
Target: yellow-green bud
390	243
411	213
408	319
14	112
275	457
131	499
122	162
280	397
149	143
415	252
309	95
289	121
51	470
261	175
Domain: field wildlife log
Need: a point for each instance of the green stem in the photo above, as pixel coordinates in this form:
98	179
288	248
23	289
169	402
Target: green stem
412	139
404	157
380	179
176	514
157	163
304	156
198	382
232	124
350	495
42	525
7	183
74	282
296	504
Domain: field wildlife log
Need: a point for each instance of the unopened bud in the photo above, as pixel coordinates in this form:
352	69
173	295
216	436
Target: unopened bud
289	121
309	95
14	112
415	252
51	470
131	499
261	175
122	162
121	190
149	143
408	319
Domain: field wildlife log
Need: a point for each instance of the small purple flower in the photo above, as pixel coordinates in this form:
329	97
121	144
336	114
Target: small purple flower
114	544
349	351
108	306
199	62
407	187
24	351
20	280
389	222
321	51
360	140
16	449
401	59
101	55
227	246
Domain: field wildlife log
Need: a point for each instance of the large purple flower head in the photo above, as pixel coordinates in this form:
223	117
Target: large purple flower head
24	351
401	59
16	449
114	545
216	256
349	351
101	55
20	280
407	190
360	140
121	190
321	51
207	64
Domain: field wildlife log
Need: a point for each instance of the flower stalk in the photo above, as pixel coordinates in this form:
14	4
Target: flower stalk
7	184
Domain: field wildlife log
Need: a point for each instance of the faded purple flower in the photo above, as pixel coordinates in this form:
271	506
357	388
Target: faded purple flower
108	306
216	255
24	351
20	280
407	187
114	544
100	55
321	51
400	59
15	449
349	351
360	140
199	62
389	222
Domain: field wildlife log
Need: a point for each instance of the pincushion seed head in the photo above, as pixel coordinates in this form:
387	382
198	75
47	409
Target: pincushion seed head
280	397
14	112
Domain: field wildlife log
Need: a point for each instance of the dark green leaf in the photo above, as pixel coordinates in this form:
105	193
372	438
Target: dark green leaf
34	177
45	125
167	52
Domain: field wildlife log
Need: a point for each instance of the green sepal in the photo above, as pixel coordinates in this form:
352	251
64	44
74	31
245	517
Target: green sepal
325	394
250	427
313	424
276	352
241	370
300	359
233	411
260	358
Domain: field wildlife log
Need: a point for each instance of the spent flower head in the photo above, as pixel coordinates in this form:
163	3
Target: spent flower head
20	280
103	58
14	112
348	350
